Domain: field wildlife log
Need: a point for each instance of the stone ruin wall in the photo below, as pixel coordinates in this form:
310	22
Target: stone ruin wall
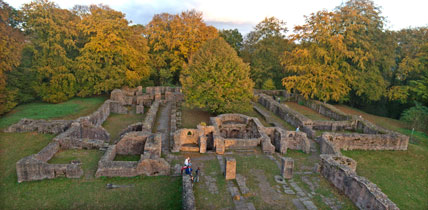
87	133
40	126
151	117
308	126
188	195
322	108
340	171
150	163
132	143
332	143
36	167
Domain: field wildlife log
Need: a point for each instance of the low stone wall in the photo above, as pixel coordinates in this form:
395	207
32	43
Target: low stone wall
131	128
40	126
325	109
297	141
83	135
241	143
151	117
153	146
188	196
98	117
334	125
282	111
356	141
145	166
35	167
361	191
184	136
132	143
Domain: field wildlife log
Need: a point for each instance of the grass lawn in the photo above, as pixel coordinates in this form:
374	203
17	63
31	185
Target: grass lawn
203	197
305	162
160	192
69	110
308	112
115	123
402	175
127	157
88	158
275	118
190	118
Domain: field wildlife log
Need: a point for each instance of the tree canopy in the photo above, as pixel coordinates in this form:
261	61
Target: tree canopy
216	79
114	54
172	40
262	49
11	44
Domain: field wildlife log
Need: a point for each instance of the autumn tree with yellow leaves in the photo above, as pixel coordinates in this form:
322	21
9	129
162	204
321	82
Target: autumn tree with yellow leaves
339	54
11	43
172	40
114	54
52	32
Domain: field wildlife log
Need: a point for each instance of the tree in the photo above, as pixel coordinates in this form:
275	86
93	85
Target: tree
233	38
268	85
52	33
416	117
114	53
173	39
217	79
11	43
263	48
409	78
340	54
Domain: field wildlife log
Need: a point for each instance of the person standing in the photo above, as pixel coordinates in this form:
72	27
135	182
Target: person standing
197	175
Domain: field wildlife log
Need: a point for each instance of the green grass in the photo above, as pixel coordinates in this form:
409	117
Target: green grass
115	123
277	119
162	192
127	158
308	112
401	175
203	197
190	118
71	109
88	159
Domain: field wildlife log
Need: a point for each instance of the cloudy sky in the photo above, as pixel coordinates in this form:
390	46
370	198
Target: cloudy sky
245	14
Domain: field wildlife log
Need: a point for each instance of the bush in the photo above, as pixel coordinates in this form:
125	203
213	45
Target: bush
417	117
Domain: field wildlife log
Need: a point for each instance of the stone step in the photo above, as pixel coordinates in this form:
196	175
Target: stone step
190	148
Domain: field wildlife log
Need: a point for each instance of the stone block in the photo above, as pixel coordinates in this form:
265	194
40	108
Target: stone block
230	171
117	95
287	165
202	144
139	109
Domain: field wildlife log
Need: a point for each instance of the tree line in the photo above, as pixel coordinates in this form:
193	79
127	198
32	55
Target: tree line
345	55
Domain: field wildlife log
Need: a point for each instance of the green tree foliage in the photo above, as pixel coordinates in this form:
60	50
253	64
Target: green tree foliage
416	117
173	39
11	43
114	54
233	38
217	79
268	85
263	48
409	78
52	32
340	54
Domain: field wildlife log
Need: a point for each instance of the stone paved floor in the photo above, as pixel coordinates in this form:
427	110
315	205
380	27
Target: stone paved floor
163	126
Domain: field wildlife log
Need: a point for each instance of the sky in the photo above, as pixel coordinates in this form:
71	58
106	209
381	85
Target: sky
245	14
